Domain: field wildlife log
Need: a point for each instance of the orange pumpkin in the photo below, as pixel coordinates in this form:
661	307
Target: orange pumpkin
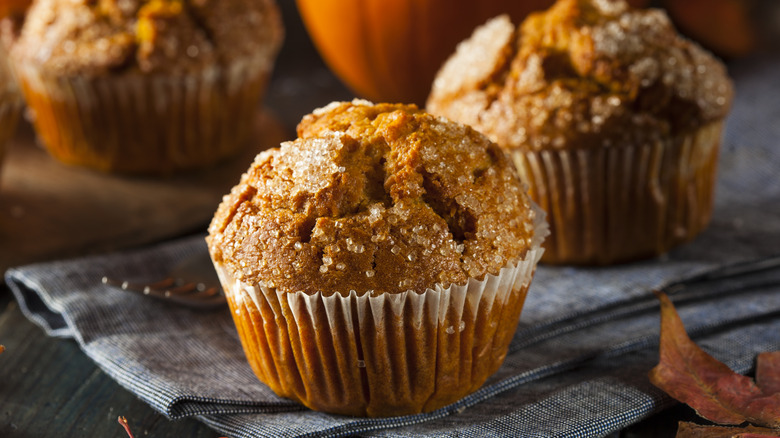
13	7
390	50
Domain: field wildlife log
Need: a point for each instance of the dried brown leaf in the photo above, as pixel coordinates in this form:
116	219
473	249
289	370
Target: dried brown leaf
690	375
768	372
693	430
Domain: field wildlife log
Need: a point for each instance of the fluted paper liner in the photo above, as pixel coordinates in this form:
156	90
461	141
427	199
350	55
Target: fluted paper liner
615	204
382	354
145	123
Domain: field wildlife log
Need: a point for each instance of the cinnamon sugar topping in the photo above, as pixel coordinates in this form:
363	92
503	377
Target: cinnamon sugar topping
100	36
585	73
374	197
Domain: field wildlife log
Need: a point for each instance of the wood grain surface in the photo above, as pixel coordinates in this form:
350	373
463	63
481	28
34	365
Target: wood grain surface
70	396
51	210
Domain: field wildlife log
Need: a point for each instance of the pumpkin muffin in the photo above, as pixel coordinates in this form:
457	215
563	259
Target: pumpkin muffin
146	86
378	264
612	118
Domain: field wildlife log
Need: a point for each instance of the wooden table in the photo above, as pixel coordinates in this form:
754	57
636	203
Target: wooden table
48	386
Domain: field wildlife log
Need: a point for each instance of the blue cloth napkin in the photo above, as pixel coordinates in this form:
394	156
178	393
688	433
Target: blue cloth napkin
577	366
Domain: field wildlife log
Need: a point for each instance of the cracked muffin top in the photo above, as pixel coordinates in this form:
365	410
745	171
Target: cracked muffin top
374	199
585	73
95	37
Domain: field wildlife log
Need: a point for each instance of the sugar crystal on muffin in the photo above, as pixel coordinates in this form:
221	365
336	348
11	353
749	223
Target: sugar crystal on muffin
408	198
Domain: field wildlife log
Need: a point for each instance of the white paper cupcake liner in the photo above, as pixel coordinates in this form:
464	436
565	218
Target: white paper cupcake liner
382	354
616	204
153	123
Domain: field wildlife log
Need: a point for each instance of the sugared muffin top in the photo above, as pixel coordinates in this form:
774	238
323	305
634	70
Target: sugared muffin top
93	37
374	198
585	73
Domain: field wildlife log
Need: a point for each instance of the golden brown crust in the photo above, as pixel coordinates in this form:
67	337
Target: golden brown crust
93	37
584	74
382	198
